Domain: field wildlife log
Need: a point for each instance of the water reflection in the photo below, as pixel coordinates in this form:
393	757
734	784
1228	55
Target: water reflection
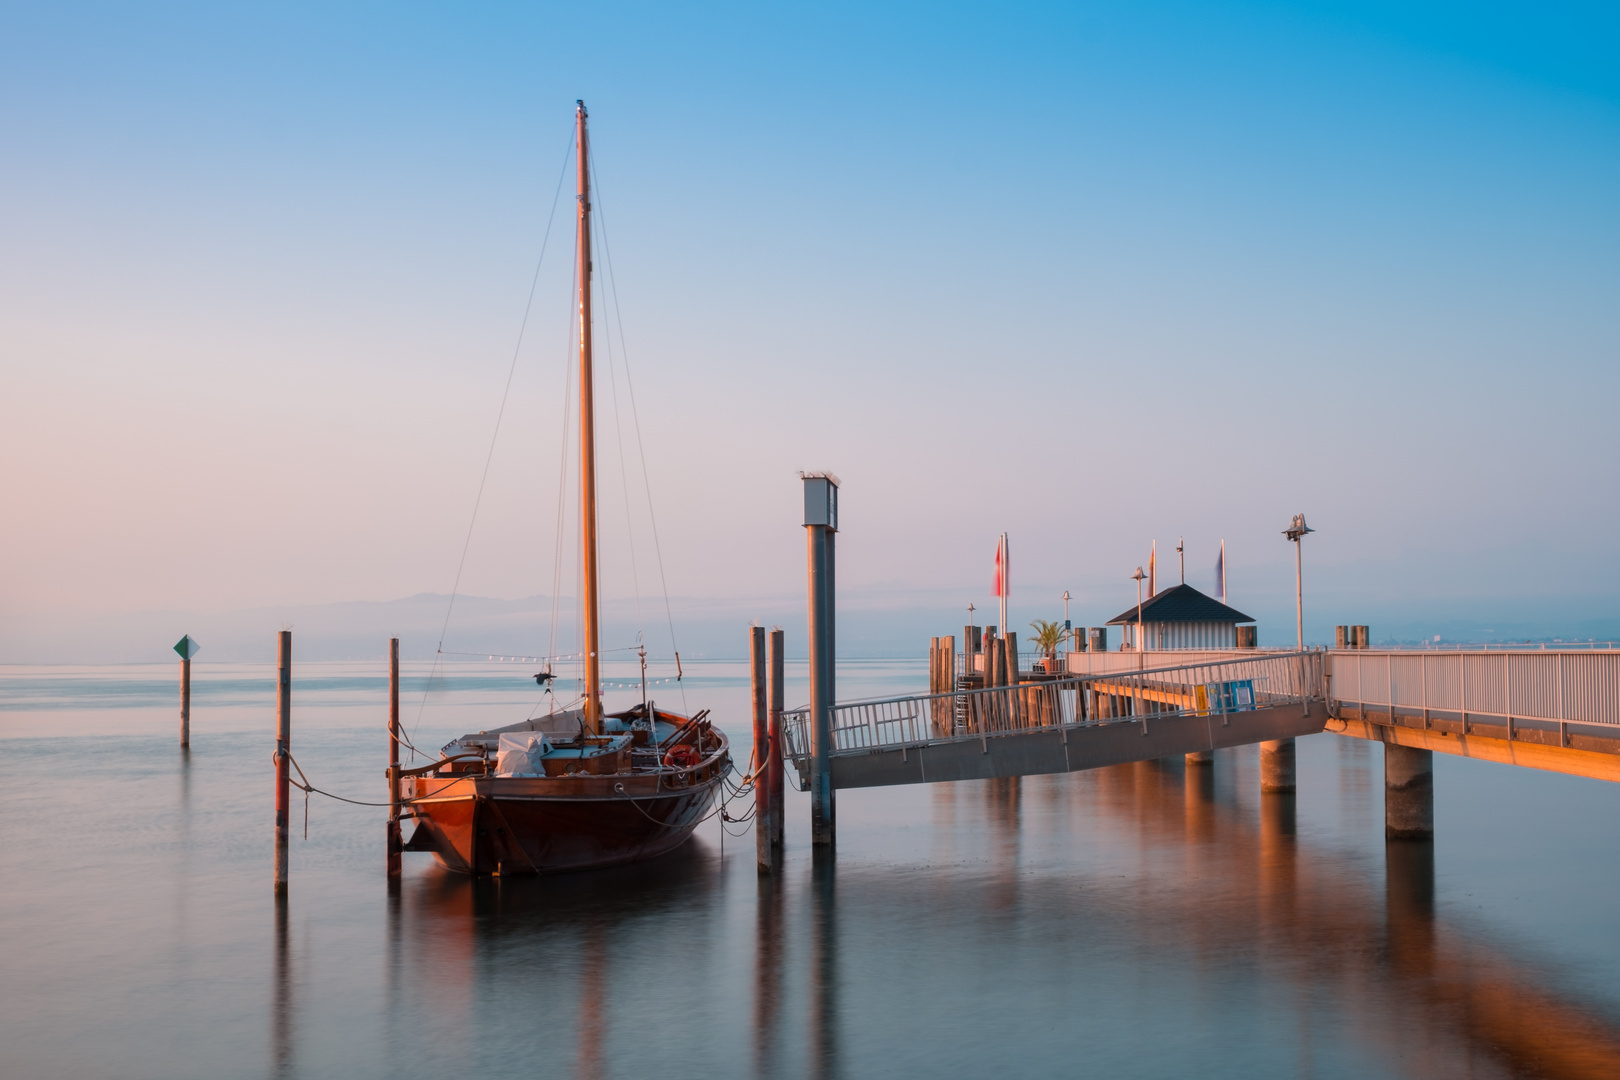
1220	916
769	957
281	1009
824	1058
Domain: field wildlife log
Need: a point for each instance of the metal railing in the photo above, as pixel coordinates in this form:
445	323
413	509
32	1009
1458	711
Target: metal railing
1504	646
1545	687
1090	663
1212	687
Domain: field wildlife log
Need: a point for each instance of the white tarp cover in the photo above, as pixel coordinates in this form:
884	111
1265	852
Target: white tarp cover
520	754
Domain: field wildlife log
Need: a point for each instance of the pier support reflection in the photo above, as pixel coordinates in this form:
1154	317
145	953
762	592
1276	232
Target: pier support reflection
768	957
281	1007
823	967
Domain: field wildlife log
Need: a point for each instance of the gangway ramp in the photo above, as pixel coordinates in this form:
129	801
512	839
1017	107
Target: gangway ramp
1067	724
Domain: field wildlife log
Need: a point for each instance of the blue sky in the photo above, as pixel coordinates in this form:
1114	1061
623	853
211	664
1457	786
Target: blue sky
1090	274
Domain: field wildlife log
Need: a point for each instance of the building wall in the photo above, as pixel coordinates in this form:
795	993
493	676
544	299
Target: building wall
1190	635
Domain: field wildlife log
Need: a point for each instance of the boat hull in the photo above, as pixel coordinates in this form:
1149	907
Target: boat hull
523	825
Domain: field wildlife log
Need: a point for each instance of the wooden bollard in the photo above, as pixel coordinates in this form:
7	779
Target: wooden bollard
775	781
762	748
395	846
283	748
187	648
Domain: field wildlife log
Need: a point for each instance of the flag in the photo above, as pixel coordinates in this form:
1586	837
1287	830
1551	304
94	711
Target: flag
1153	557
998	587
1220	573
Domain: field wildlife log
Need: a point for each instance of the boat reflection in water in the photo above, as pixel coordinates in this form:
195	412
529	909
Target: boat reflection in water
1141	919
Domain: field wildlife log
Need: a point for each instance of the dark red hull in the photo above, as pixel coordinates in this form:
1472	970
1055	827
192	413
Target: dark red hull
544	825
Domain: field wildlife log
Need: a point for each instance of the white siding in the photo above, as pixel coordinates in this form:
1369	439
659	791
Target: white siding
1190	635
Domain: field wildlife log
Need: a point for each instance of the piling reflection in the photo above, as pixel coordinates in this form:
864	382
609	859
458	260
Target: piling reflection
281	1020
1130	872
768	960
824	1060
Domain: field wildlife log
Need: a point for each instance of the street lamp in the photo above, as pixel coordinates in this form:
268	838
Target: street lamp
1067	628
1295	532
1139	577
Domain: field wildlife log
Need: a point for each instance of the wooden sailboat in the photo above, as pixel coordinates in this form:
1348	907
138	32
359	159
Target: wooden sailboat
582	788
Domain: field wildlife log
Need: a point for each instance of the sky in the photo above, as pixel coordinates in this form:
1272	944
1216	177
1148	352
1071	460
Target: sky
1093	275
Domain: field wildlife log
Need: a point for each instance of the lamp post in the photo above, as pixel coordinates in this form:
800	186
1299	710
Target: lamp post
969	647
1139	577
1295	531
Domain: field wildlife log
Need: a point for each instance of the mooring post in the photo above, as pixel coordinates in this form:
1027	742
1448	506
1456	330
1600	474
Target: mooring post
1408	793
762	749
773	773
185	703
821	522
395	845
187	648
283	748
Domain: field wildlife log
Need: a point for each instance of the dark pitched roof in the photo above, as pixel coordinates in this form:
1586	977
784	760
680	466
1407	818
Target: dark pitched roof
1181	603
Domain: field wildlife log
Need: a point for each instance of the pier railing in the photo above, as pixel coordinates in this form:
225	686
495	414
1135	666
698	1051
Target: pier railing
1502	687
1205	688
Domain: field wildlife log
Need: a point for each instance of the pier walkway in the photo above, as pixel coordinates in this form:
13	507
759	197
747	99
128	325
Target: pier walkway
1069	723
1542	709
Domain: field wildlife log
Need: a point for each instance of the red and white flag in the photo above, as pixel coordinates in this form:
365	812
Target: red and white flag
999	586
1153	578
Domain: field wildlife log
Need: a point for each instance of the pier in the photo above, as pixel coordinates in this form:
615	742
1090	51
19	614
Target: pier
1543	709
1064	724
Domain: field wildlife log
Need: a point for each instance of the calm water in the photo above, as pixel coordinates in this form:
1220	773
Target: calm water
1125	922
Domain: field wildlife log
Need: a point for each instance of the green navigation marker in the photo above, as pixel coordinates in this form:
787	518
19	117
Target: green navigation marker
187	648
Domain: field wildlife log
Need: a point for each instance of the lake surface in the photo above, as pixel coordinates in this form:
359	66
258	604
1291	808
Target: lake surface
1139	921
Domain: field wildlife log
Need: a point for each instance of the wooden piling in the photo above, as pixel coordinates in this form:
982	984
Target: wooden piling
762	749
185	703
777	785
395	844
283	748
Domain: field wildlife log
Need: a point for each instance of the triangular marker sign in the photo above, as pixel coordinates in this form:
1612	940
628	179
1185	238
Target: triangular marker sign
187	648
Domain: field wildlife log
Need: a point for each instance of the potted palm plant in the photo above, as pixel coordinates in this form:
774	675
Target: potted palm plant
1048	636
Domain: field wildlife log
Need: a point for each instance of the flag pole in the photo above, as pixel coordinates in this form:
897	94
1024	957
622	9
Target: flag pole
1006	579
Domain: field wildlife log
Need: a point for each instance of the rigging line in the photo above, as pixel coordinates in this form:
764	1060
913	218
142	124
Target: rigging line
635	414
562	467
506	392
624	476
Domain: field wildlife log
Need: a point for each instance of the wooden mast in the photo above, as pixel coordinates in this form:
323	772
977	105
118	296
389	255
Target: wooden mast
587	437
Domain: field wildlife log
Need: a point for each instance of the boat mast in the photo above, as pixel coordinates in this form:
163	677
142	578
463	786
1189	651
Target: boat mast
587	436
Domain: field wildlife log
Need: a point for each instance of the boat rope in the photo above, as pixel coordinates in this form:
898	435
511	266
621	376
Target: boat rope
562	459
506	393
635	415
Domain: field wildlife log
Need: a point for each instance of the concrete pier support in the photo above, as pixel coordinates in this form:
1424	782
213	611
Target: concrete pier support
1200	757
1277	765
821	523
1408	793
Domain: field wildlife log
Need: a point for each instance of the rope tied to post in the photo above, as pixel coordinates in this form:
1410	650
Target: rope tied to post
302	783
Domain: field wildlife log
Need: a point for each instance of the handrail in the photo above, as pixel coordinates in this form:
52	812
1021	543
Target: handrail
1210	687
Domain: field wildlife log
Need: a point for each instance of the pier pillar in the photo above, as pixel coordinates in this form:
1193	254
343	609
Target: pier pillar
821	523
283	748
762	750
395	844
1408	793
187	648
1200	757
773	773
1277	765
